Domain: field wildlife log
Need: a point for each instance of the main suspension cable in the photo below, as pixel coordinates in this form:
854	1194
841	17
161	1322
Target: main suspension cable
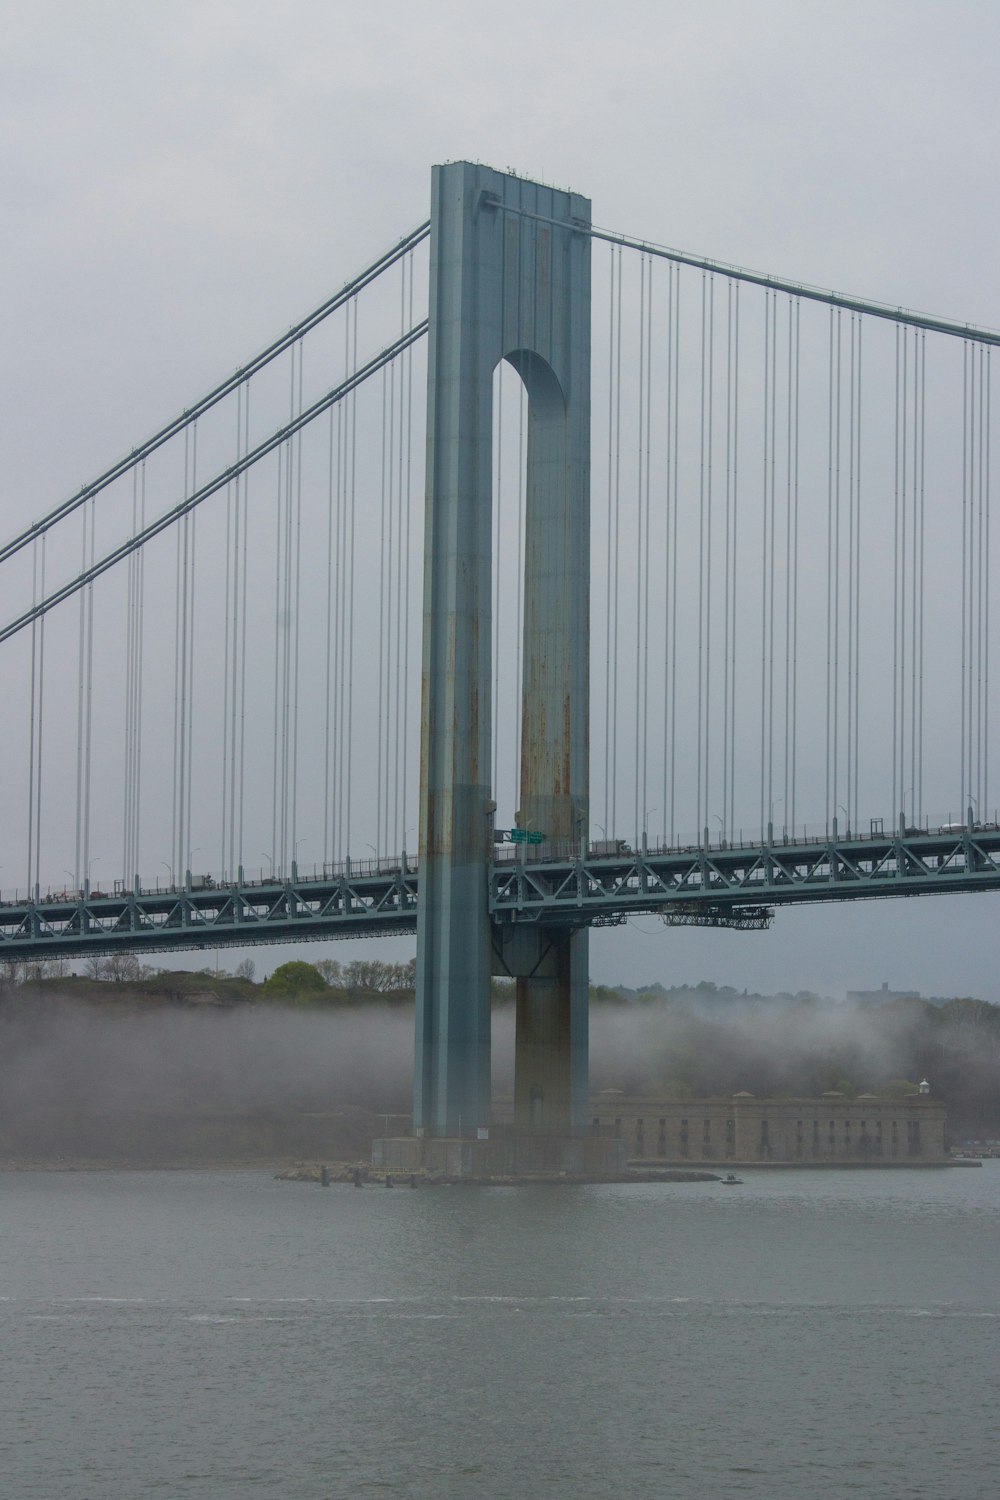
220	392
89	574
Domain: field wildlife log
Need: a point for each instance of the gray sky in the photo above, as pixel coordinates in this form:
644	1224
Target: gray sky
181	182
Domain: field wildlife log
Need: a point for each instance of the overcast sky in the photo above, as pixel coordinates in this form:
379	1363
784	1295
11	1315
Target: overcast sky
182	181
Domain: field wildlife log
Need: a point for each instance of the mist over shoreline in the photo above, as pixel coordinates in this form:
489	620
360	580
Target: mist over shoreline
77	1071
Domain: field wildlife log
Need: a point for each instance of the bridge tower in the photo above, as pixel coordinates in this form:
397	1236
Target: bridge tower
509	279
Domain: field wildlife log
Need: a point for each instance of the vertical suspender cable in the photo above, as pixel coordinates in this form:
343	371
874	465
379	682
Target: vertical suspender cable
89	701
735	554
981	557
288	635
904	540
983	560
392	620
296	624
671	579
178	626
727	563
645	546
849	686
729	611
965	499
897	783
829	804
857	588
709	477
383	632
616	553
238	775
36	719
786	716
765	570
191	652
922	422
397	831
795	566
607	551
915	601
136	860
40	742
407	567
339	848
987	425
971	772
674	563
392	601
352	491
82	714
638	789
836	568
276	731
229	646
771	544
700	740
332	602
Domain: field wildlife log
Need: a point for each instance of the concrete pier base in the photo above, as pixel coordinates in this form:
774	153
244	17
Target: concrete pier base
502	1156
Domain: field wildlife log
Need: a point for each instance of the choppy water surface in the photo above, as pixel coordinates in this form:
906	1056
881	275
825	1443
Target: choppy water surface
806	1336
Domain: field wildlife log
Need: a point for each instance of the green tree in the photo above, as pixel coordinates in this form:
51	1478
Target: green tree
295	981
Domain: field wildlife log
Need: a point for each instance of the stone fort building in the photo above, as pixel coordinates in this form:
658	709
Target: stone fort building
748	1131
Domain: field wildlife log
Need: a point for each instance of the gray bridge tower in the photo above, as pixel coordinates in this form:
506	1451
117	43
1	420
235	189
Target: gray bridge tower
509	279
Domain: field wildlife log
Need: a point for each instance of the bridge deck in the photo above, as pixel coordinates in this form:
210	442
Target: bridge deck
543	883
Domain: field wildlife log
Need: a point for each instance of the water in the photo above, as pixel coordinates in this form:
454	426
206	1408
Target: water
807	1336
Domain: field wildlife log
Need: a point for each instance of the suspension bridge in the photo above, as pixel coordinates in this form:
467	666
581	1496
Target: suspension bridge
693	564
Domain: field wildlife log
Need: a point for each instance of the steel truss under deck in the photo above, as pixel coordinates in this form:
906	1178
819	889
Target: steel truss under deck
548	885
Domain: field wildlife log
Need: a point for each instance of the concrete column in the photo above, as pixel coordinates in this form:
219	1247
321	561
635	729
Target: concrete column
503	284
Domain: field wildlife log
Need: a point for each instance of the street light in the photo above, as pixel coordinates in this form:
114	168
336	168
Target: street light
270	862
169	869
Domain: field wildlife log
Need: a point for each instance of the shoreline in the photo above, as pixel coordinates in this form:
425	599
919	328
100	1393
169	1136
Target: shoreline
341	1171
